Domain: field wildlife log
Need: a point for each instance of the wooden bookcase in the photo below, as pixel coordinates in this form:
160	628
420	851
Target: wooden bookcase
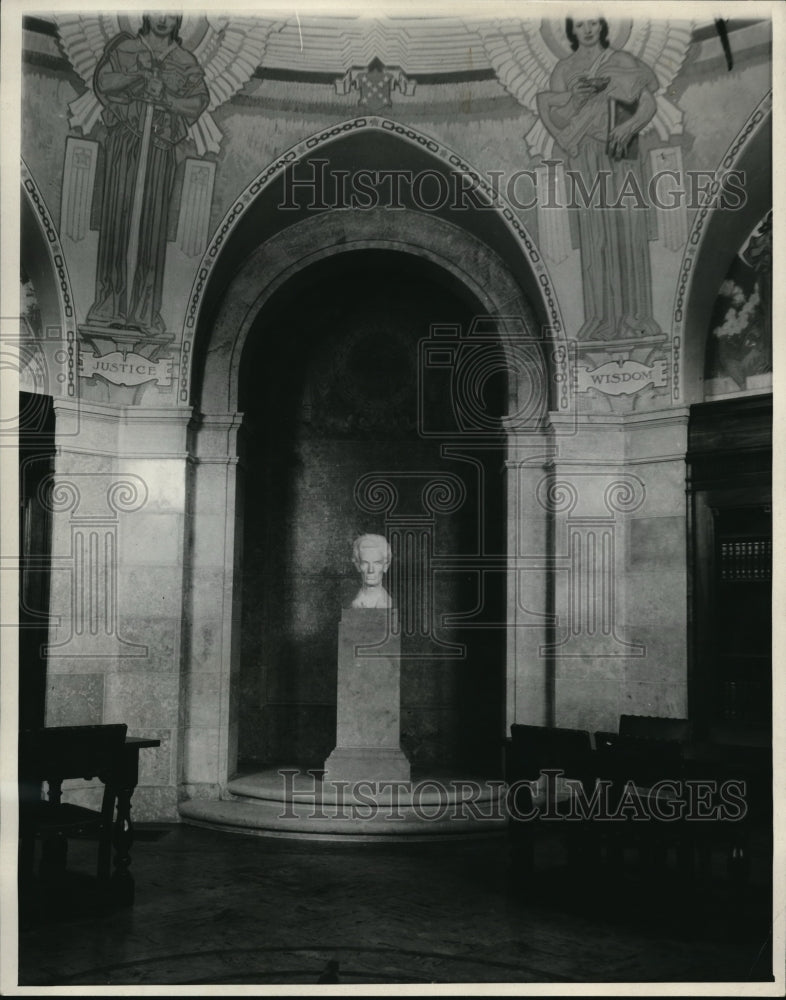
730	536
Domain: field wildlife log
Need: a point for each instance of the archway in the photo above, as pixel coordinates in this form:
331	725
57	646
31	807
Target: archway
235	292
716	235
335	387
46	326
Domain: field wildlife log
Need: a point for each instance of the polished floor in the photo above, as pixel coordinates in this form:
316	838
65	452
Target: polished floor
221	908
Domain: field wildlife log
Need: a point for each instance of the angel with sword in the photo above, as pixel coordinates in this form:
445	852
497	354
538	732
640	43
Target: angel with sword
152	89
152	92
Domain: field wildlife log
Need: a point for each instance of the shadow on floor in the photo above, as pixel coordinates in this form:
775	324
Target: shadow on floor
217	908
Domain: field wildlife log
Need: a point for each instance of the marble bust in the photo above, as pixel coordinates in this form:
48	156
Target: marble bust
371	557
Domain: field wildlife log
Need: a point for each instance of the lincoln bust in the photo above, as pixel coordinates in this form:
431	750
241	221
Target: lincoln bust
371	557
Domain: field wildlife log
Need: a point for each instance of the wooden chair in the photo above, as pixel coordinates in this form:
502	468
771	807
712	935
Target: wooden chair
52	755
645	779
651	727
543	799
741	779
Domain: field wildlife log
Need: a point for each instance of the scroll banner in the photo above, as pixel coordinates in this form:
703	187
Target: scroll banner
617	377
128	369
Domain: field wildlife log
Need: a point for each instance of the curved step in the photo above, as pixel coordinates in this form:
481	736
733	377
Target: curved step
285	784
298	805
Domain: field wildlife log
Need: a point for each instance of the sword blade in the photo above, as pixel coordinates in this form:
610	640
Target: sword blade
136	211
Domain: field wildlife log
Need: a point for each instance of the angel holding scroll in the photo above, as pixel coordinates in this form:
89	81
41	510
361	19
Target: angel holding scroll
151	89
600	98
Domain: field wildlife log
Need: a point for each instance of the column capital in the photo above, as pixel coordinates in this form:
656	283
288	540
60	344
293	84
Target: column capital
120	432
215	436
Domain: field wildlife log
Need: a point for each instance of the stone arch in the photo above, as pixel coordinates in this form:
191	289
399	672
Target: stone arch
454	250
222	310
42	257
715	236
196	331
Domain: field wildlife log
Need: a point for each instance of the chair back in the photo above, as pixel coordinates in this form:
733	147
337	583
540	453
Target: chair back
651	727
644	762
536	748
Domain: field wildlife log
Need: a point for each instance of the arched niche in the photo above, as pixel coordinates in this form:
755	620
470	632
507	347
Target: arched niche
343	404
469	261
258	266
286	193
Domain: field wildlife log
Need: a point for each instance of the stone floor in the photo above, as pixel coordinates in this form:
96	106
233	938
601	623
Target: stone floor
220	908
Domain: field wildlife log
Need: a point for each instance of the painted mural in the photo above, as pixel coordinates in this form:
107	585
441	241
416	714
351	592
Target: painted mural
739	347
29	308
152	85
595	89
175	116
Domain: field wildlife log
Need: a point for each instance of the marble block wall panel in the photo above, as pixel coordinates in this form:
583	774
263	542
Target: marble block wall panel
292	734
429	683
156	764
153	804
206	592
205	644
588	704
527	693
669	700
152	590
431	736
151	539
656	541
665	651
203	699
159	638
590	668
201	755
656	615
75	699
208	543
142	698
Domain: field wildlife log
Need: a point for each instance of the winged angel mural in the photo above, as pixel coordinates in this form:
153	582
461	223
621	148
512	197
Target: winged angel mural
152	91
595	86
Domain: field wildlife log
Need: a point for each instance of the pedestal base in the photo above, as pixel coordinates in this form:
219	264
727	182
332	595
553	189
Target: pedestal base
368	700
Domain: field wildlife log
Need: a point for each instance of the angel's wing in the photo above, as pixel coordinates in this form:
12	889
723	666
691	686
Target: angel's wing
523	64
229	53
663	46
84	38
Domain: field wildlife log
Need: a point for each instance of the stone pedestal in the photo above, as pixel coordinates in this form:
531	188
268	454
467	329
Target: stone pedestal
368	700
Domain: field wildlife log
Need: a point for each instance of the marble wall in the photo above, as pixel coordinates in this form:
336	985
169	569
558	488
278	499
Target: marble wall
173	528
118	502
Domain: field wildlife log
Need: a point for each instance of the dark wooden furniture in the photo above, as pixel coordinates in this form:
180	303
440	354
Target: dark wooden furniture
645	783
55	754
539	762
651	727
739	784
730	526
650	797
